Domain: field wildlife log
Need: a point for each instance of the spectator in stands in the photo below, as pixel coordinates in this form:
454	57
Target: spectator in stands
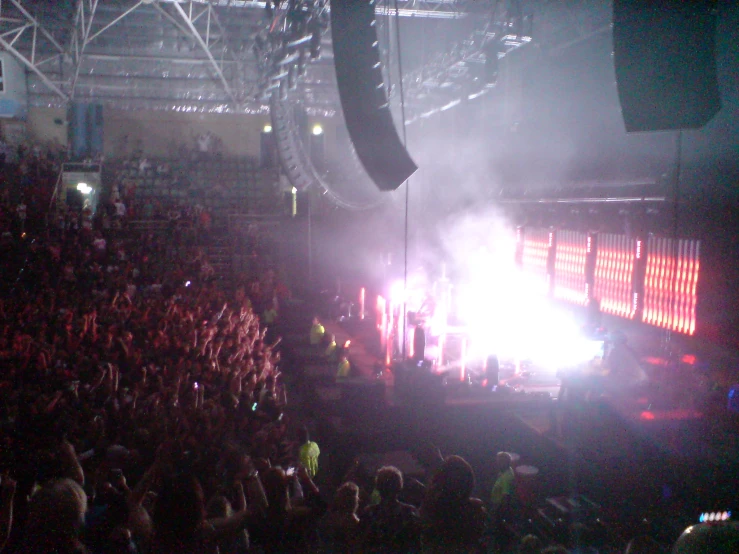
452	520
270	314
501	497
308	452
530	544
220	507
180	525
204	221
120	211
430	457
390	525
21	211
502	492
290	518
147	211
144	165
204	142
116	353
56	516
340	526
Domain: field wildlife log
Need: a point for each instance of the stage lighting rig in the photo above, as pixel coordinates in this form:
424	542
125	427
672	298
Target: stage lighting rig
290	38
470	67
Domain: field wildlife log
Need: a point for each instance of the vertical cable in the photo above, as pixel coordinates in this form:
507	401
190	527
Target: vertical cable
388	23
407	182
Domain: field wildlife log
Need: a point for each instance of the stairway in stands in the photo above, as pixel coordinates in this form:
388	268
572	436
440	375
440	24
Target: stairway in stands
219	250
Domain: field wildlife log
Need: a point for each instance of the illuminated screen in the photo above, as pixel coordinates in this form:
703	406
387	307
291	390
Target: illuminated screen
535	252
670	284
569	267
614	271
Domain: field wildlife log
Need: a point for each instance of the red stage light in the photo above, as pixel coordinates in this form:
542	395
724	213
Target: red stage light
670	284
569	267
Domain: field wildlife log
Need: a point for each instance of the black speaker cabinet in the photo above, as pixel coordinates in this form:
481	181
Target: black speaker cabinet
665	60
363	100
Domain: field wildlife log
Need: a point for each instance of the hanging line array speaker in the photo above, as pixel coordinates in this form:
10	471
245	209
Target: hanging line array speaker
664	53
362	92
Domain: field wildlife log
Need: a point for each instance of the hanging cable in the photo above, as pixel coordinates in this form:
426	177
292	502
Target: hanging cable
407	182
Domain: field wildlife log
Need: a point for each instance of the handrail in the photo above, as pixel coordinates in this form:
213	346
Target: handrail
56	189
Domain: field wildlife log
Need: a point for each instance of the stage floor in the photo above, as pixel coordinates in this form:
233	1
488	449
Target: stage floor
678	454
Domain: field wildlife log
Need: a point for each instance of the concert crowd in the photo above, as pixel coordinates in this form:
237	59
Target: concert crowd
144	410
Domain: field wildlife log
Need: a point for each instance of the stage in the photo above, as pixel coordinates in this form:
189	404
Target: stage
667	456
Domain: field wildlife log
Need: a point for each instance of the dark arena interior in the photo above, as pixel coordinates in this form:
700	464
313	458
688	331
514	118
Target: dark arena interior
387	276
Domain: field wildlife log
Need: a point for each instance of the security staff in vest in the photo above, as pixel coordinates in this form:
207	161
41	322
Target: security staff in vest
332	350
316	332
344	367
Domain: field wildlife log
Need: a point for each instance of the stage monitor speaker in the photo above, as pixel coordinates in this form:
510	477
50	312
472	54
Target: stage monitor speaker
362	92
664	56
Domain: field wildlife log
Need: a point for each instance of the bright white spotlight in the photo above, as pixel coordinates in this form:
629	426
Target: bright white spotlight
294	190
84	188
267	129
317	130
397	292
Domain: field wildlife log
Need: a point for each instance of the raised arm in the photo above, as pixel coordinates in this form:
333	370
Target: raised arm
70	463
7	495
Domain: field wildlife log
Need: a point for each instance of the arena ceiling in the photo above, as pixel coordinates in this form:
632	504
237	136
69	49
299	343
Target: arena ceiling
199	56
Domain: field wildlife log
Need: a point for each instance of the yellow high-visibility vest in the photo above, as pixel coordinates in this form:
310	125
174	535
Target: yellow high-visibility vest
330	349
344	367
316	333
308	455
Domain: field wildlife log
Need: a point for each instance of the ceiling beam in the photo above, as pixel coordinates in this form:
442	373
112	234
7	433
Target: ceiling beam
206	49
19	19
40	74
83	21
406	8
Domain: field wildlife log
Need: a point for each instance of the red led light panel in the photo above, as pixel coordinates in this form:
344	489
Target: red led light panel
614	268
569	267
670	284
